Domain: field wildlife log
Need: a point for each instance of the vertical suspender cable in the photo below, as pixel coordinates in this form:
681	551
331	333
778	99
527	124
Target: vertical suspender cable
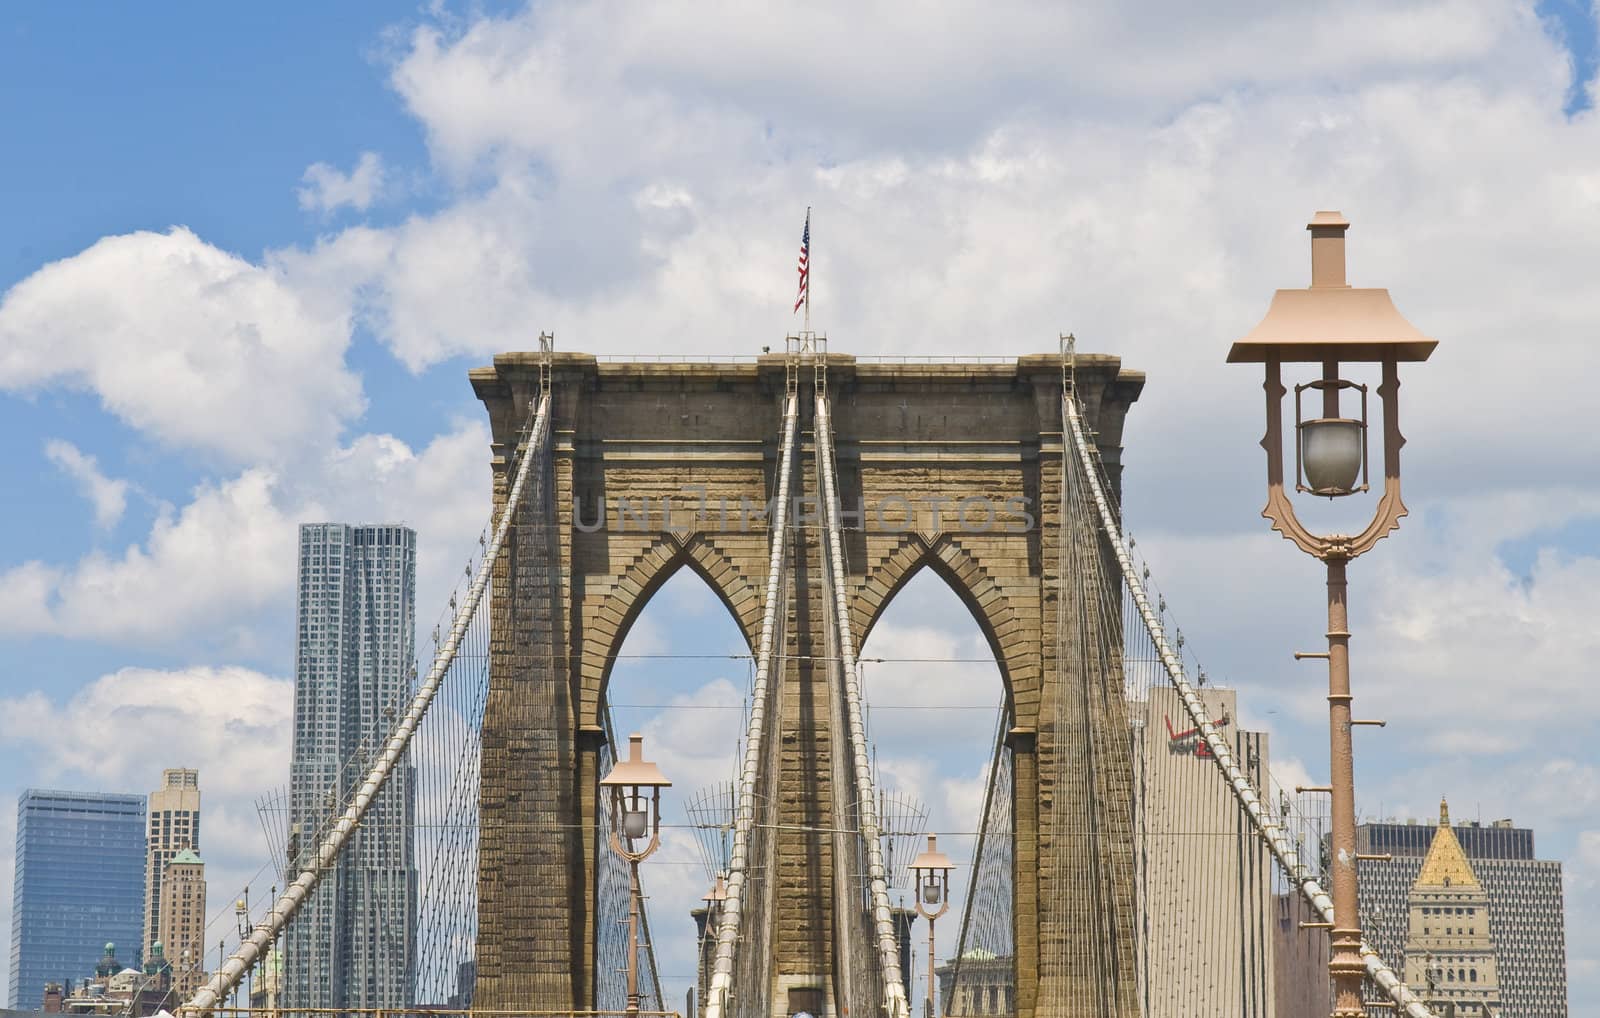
888	946
744	816
289	902
1267	827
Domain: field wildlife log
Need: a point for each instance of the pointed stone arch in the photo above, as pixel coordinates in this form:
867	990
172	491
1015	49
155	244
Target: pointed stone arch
1016	653
607	628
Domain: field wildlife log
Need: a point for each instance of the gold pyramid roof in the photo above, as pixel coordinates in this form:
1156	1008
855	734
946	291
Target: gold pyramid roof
1446	864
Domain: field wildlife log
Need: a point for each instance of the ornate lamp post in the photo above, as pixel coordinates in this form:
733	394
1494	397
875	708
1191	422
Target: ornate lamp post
635	786
930	872
1330	323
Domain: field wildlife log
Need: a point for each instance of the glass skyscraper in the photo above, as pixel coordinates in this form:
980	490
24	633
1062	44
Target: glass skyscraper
352	944
79	884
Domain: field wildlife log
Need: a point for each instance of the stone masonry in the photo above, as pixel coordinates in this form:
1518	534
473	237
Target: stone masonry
681	459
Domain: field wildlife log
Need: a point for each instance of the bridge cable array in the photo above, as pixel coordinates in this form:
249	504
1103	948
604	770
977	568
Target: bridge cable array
1270	829
868	983
394	752
740	978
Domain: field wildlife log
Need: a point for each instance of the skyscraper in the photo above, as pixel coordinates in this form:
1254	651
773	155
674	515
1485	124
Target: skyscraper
1522	895
174	825
181	926
352	944
1207	911
1450	956
79	883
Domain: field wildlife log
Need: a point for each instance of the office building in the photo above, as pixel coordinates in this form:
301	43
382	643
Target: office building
988	985
182	923
1524	938
1208	914
1300	983
174	825
352	946
79	882
1450	956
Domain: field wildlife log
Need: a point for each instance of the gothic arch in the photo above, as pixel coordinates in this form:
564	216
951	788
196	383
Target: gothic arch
604	635
1016	656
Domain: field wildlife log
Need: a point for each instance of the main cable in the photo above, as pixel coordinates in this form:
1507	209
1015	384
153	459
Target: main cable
228	976
1269	828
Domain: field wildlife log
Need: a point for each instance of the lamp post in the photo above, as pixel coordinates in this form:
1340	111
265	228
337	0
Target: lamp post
1329	323
241	921
635	785
930	871
713	899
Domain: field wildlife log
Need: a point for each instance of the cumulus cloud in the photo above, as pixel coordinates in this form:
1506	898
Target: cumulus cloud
207	572
109	496
622	84
223	556
325	189
193	345
131	723
231	723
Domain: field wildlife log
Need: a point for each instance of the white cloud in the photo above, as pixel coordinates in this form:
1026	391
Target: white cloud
326	189
223	557
108	495
618	85
1288	773
130	724
1485	659
26	591
208	572
193	345
233	724
442	490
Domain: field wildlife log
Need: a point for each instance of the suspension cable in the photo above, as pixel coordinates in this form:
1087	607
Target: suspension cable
249	950
744	817
1267	827
888	945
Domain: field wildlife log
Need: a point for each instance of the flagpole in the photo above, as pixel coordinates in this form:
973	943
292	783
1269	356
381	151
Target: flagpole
809	274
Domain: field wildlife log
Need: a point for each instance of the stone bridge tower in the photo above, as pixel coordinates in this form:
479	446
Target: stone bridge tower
671	451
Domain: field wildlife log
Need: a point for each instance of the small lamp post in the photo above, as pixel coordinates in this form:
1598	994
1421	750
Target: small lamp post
713	919
635	785
1327	324
241	922
930	872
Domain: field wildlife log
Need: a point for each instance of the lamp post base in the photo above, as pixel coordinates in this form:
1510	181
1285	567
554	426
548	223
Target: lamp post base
1348	971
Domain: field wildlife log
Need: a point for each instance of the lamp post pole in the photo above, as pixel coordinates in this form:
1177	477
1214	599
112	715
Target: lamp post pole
1327	323
633	937
1345	963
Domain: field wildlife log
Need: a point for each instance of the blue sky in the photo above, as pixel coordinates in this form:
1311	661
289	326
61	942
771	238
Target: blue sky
247	257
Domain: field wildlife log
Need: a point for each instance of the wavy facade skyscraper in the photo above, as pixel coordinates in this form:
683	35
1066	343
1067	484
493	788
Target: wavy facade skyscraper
353	944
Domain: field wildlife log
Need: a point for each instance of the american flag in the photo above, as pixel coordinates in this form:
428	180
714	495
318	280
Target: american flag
805	272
